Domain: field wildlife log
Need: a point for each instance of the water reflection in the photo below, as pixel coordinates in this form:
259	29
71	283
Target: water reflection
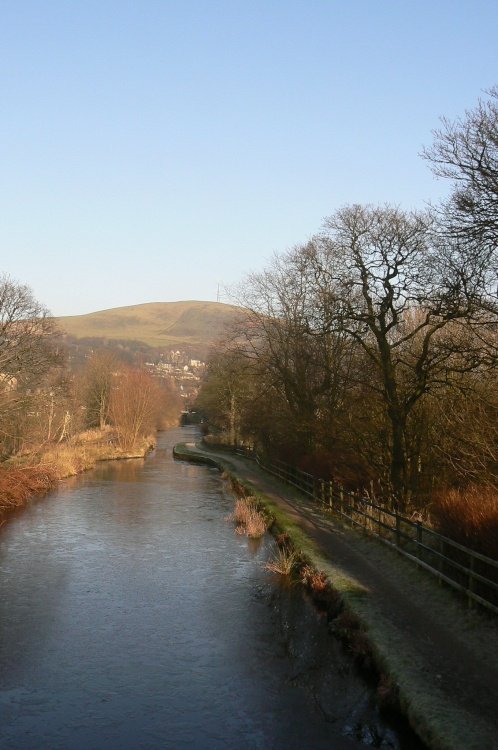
133	617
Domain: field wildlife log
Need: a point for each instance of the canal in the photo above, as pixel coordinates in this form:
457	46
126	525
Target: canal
133	617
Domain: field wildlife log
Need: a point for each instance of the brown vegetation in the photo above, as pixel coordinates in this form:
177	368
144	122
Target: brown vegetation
36	473
284	562
17	485
55	423
248	518
469	516
314	579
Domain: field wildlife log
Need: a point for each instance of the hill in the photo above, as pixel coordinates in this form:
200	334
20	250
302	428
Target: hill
186	326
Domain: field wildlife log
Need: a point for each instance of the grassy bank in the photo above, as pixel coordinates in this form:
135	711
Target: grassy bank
407	677
36	473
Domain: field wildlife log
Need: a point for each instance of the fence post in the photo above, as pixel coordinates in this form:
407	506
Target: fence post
440	564
341	499
331	494
471	579
398	530
322	491
419	540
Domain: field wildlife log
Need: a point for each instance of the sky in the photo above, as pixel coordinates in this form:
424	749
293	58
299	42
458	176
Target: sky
161	150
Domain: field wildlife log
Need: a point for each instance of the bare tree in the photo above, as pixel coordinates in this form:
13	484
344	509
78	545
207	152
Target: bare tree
226	391
303	365
466	434
134	405
466	152
400	295
29	348
98	378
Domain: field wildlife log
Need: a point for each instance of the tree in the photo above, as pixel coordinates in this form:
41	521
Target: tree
135	403
302	365
226	391
466	152
29	349
466	435
400	294
168	403
97	385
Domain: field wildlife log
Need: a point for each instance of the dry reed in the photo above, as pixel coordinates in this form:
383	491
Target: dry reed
469	516
18	484
248	519
284	562
32	474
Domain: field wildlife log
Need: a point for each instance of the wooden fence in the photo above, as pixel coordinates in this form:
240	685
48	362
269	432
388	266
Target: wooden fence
469	572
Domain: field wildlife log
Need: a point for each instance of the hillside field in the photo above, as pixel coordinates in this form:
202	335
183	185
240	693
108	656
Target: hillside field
188	325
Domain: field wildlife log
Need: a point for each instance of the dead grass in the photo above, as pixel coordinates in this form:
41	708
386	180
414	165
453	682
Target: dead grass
314	579
469	516
19	484
248	519
93	435
33	474
283	540
284	562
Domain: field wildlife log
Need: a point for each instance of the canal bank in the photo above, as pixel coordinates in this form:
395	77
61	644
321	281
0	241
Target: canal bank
440	660
34	474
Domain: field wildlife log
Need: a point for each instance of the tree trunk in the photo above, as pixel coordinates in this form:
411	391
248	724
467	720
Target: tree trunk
399	460
232	418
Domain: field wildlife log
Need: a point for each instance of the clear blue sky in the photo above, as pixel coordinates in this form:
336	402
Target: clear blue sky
153	149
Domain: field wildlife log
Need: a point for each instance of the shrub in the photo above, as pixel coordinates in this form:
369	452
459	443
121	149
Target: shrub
314	579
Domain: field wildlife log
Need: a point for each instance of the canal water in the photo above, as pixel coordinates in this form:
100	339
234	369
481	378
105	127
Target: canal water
133	617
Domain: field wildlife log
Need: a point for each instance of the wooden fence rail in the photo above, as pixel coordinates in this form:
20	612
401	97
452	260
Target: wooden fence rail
469	572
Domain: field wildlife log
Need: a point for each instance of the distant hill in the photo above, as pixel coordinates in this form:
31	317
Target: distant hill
188	326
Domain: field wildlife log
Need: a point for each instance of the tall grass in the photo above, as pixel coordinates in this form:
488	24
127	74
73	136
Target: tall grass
248	519
284	561
19	484
314	579
26	475
469	516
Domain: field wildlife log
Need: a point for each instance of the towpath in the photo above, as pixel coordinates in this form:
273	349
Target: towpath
443	658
